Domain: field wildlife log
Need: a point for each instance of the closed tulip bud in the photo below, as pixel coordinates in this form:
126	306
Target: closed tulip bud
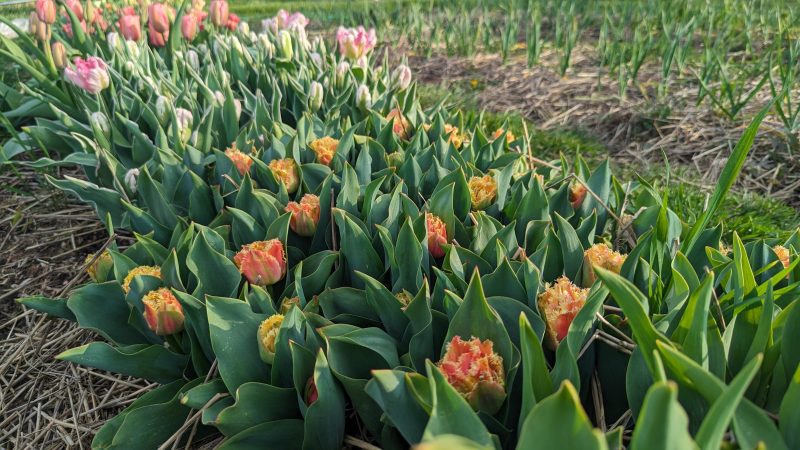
163	106
311	393
192	59
240	160
99	123
285	170
400	125
189	26
237	107
305	215
185	122
475	371
558	305
482	191
151	271
158	17
324	148
133	50
39	29
46	11
100	268
404	297
783	255
402	76
267	337
437	235
315	96
288	303
59	54
342	69
363	98
244	28
263	263
76	8
316	58
577	193
113	40
162	312
599	255
130	27
395	159
285	41
131	177
269	48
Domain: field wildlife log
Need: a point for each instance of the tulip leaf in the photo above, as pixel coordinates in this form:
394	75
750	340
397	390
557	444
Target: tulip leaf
284	434
216	274
357	249
537	384
151	362
790	413
56	307
257	403
325	418
389	388
662	423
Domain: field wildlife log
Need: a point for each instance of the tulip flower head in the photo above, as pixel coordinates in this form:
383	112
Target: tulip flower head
311	393
559	304
185	122
404	297
130	27
241	160
400	125
267	337
89	74
600	255
509	135
363	97
437	235
315	96
355	42
40	30
305	215
288	303
402	76
783	255
158	17
189	25
482	191
476	372
46	11
263	263
285	44
59	54
285	20
285	171
219	12
577	193
150	271
76	8
162	312
324	148
99	269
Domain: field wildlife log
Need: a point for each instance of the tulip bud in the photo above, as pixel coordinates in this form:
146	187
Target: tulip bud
577	193
311	393
267	336
342	70
482	191
59	54
185	122
189	26
324	148
237	106
151	271
263	263
400	125
112	38
130	179
315	96
404	298
99	123
133	49
192	59
101	267
240	160
476	372
269	48
219	12
395	159
558	305
305	215
288	303
158	17
39	29
46	11
162	312
402	76
363	98
244	28
599	255
783	255
285	40
162	109
499	132
437	235
285	170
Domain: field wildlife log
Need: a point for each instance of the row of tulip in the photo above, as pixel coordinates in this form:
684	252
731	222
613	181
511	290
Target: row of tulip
315	244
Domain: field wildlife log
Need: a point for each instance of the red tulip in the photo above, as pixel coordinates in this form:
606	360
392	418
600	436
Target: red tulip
162	312
263	263
437	235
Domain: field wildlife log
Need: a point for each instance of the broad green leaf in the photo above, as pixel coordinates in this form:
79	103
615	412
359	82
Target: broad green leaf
662	424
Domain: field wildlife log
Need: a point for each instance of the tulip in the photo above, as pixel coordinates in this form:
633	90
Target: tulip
219	12
599	255
311	393
89	74
404	298
783	255
363	98
316	58
156	39
39	29
151	271
285	41
99	123
130	179
315	96
233	21
558	305
189	26
263	263
355	42
288	303
324	148
285	21
305	215
192	59
577	193
158	17
437	235
475	371
454	136
128	11
185	122
99	269
341	72
482	191
67	28
162	312
241	160
285	170
59	54
46	11
400	125
499	132
76	8
402	76
163	105
267	336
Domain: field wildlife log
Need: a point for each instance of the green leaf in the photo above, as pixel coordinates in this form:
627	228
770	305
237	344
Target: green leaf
56	307
257	403
151	362
325	418
216	274
790	413
537	384
390	389
357	249
283	434
662	424
102	308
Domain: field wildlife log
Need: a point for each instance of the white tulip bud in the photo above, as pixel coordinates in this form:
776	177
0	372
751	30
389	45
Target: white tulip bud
315	96
162	109
363	97
130	179
402	76
100	124
285	39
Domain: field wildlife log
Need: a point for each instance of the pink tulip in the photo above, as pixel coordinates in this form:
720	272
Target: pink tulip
157	39
189	26
233	21
219	12
76	7
263	263
46	11
89	74
285	21
130	27
129	11
67	28
355	42
158	17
